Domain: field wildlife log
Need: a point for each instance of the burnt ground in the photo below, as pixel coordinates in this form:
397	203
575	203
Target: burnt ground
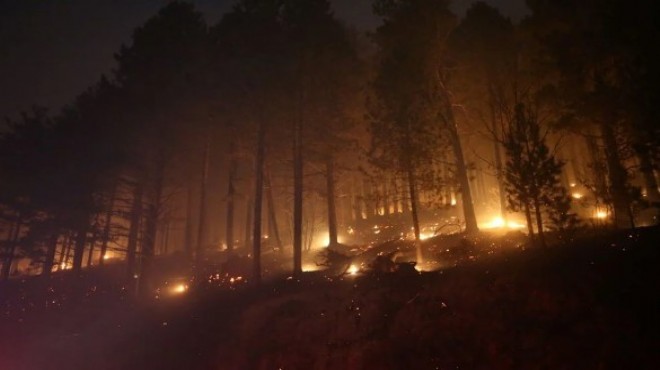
496	304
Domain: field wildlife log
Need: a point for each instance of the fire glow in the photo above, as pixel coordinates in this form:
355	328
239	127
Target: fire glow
501	223
179	289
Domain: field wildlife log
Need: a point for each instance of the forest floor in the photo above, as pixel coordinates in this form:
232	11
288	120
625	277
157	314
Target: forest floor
593	303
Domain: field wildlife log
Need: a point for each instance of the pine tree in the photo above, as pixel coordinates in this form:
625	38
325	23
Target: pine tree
532	174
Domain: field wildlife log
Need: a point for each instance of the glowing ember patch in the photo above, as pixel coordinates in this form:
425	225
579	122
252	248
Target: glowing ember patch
179	288
577	195
309	267
424	236
353	270
514	225
500	223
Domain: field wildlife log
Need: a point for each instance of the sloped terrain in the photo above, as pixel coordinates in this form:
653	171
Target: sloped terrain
592	304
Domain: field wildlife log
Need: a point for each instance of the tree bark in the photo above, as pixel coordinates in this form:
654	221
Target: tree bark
134	231
92	241
530	224
332	210
107	226
201	226
274	229
248	223
258	204
412	189
297	195
11	250
461	168
617	178
49	259
539	222
497	151
149	247
189	223
231	194
646	167
81	241
66	253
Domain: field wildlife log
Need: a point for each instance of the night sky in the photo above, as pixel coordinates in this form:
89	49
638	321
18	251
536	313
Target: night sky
51	50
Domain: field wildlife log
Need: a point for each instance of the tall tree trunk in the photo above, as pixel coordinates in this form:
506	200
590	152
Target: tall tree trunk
90	253
597	170
67	251
461	168
499	167
134	230
412	190
189	223
272	215
617	177
14	236
530	224
248	223
258	204
149	246
49	259
332	211
92	241
646	167
201	227
81	241
497	120
297	195
165	246
539	222
355	203
108	225
231	194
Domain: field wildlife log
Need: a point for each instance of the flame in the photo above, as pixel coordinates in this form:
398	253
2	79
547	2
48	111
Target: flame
309	267
501	223
577	195
424	236
179	289
353	270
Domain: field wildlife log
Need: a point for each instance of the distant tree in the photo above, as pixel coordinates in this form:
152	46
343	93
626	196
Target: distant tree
254	67
23	157
485	51
600	52
161	75
413	111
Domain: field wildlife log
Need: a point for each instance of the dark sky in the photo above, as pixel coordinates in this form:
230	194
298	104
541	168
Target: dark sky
51	50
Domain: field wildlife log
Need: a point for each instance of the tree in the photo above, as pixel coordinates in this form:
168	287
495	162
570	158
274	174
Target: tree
162	76
254	56
484	49
413	109
600	52
532	173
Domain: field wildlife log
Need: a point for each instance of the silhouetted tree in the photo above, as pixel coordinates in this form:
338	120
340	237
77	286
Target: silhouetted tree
532	173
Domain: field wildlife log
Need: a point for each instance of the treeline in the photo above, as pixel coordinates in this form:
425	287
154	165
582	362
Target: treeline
280	105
